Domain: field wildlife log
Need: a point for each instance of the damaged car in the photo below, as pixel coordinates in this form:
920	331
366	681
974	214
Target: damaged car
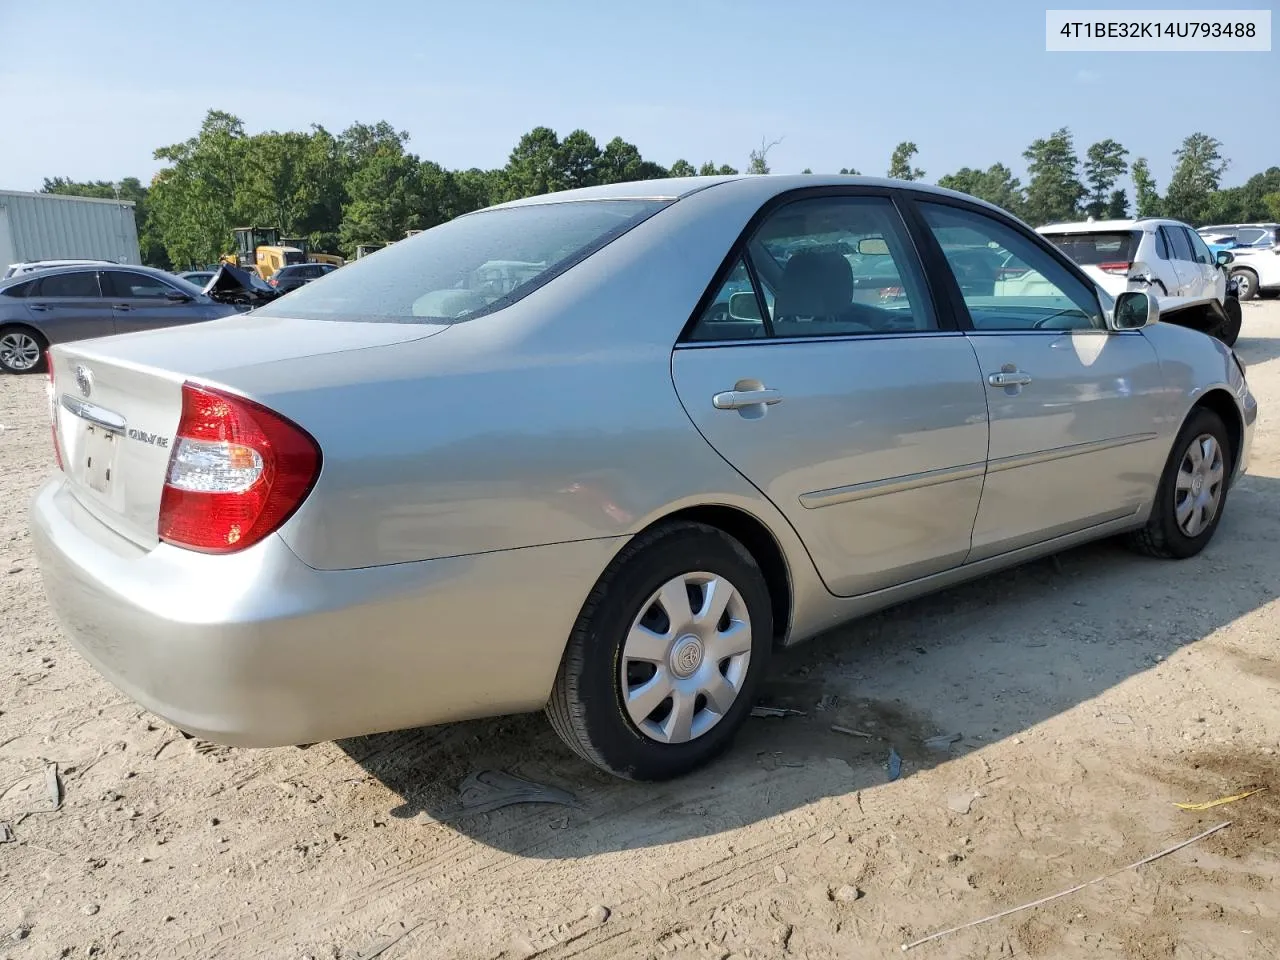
84	301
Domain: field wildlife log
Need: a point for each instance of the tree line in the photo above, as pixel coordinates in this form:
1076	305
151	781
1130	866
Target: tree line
363	185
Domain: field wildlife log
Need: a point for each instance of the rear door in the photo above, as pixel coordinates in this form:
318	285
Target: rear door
1074	408
71	305
141	301
859	415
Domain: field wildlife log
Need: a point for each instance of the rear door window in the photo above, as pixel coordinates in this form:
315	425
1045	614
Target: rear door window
1179	243
83	285
1247	236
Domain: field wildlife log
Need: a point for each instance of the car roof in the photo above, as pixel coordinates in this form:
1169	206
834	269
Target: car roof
1102	226
761	187
104	265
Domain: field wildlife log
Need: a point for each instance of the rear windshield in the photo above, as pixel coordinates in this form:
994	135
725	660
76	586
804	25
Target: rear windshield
1093	248
468	267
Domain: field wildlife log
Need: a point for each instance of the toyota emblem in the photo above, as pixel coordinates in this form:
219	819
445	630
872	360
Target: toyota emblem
84	380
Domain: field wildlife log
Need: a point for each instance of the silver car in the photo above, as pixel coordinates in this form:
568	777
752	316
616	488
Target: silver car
432	486
80	301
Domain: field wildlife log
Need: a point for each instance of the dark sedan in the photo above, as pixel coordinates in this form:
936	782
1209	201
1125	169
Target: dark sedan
297	274
79	302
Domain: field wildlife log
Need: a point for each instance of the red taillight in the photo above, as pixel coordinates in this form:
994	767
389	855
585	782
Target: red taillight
53	410
274	282
1117	266
236	473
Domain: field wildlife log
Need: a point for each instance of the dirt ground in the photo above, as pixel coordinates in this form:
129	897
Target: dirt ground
1093	692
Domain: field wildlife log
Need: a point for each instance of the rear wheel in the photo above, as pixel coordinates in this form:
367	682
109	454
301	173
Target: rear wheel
1246	282
663	662
1192	492
21	350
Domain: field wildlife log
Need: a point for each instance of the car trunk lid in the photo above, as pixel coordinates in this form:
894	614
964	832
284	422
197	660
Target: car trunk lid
116	401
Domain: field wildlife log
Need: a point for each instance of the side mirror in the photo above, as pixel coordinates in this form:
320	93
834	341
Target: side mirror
744	306
1134	310
177	296
873	247
1224	257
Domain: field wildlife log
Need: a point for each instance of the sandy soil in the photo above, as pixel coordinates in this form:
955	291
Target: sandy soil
1093	692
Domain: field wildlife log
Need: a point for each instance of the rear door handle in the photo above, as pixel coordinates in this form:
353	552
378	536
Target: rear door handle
121	306
1006	378
38	307
737	399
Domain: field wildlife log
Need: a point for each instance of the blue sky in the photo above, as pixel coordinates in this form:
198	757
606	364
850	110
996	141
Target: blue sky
840	82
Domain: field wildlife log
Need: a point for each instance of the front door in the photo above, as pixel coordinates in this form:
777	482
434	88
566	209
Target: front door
145	302
847	405
1073	407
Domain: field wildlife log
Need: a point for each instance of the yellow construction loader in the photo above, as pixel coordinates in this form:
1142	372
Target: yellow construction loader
262	250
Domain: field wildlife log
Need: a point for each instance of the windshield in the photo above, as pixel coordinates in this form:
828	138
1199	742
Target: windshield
1089	249
468	267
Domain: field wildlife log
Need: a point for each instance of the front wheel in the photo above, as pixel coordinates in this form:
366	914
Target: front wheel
1229	329
663	662
1246	283
1192	492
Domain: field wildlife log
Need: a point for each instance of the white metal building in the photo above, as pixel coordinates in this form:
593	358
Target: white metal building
48	226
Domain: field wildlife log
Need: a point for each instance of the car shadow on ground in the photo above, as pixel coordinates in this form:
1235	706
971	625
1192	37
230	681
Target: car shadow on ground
986	660
1255	350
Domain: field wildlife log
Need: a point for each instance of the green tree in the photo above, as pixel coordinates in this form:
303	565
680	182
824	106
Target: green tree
385	199
534	165
1195	179
1104	164
1054	190
579	160
1118	205
996	184
1272	202
900	163
709	169
850	171
758	160
683	168
806	170
1146	197
193	199
621	162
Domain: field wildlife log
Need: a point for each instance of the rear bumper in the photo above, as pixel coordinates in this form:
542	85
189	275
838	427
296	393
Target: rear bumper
257	649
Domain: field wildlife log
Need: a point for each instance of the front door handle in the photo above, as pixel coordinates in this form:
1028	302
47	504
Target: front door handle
737	399
121	306
38	307
1009	378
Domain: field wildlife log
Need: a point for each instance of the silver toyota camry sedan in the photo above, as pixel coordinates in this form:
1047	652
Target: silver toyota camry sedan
601	452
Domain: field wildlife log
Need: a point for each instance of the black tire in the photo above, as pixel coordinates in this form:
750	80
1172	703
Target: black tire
1229	329
586	706
1162	536
40	341
1247	281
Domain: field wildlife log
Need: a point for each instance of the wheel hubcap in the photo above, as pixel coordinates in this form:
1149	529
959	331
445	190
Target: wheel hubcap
19	351
685	658
1242	282
1198	489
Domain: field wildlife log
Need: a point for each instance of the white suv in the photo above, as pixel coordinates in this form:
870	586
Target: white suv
1164	257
